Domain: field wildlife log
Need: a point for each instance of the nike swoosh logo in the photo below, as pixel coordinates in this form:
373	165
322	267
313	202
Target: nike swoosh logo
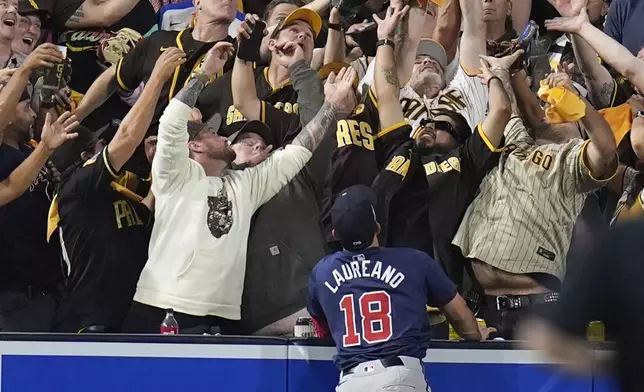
175	23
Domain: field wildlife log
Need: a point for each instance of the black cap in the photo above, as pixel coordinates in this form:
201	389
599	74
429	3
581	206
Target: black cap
195	128
237	128
42	8
353	217
462	128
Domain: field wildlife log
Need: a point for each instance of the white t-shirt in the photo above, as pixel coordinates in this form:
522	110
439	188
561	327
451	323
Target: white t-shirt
465	94
197	253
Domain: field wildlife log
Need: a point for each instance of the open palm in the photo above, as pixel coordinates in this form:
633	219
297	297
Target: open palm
568	7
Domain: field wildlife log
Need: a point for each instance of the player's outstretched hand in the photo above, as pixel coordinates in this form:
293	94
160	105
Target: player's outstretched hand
339	89
217	57
387	26
486	331
56	133
170	59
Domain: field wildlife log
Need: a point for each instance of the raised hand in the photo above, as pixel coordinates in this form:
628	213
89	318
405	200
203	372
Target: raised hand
503	63
289	54
387	26
568	7
245	29
253	156
45	55
339	89
169	60
216	58
56	133
560	79
568	24
5	74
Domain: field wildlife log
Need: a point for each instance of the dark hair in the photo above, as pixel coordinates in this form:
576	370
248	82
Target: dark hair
274	3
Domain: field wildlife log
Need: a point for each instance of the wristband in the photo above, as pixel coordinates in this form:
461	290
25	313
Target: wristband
386	41
494	78
334	26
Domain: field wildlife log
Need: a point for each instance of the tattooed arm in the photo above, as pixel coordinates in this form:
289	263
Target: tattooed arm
598	80
312	134
92	13
386	83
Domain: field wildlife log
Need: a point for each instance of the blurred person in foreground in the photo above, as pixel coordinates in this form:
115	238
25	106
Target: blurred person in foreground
203	210
608	288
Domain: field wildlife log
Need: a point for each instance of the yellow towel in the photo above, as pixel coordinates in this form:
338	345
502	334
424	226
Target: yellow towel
620	119
564	107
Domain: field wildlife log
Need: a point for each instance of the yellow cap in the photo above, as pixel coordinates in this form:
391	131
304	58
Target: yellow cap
304	14
326	70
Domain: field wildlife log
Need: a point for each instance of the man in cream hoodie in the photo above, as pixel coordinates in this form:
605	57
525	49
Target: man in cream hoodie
197	253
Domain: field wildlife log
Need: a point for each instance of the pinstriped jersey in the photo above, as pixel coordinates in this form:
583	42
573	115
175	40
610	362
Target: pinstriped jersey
522	219
631	203
465	95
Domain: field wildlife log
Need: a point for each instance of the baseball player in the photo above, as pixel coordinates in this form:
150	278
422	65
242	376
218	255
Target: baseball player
372	301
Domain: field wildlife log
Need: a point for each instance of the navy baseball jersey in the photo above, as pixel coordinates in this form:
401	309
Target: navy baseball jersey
374	302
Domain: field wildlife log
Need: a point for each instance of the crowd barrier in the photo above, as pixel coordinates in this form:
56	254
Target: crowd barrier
141	363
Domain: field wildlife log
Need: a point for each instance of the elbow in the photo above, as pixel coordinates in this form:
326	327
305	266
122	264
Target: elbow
503	112
630	69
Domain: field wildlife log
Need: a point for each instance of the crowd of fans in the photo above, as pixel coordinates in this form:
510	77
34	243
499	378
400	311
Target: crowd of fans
501	137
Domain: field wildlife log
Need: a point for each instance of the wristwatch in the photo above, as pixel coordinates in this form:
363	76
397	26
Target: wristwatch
386	42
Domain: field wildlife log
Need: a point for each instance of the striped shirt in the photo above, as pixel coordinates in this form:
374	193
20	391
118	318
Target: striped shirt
522	219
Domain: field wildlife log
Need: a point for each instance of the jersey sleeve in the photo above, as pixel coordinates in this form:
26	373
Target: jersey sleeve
480	155
516	131
285	126
95	175
440	289
129	69
367	80
267	178
389	139
474	95
577	170
64	9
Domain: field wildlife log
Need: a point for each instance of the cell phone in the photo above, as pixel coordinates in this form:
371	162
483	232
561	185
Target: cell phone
367	39
249	48
63	50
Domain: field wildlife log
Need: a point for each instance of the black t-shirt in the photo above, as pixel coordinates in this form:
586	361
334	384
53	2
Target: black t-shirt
82	46
452	182
354	161
609	288
25	256
279	108
106	231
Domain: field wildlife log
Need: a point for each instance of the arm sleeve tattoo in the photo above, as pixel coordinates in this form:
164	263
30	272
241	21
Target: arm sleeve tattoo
313	133
390	76
190	92
78	15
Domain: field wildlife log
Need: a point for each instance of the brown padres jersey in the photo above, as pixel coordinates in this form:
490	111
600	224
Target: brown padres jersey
522	219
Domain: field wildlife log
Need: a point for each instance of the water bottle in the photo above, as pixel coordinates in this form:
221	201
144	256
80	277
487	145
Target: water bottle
169	325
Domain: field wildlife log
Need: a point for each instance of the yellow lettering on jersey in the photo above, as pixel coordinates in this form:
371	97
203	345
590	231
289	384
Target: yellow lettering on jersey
399	165
233	115
452	163
287	107
353	132
123	210
358	110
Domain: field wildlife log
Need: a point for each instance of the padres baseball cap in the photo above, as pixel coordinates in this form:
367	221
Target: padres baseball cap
304	14
353	217
335	67
239	127
431	48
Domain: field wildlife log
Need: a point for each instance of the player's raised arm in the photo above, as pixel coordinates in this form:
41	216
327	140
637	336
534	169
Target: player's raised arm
385	77
473	42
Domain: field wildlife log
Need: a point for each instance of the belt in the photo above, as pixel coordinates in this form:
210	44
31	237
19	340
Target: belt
513	302
386	362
